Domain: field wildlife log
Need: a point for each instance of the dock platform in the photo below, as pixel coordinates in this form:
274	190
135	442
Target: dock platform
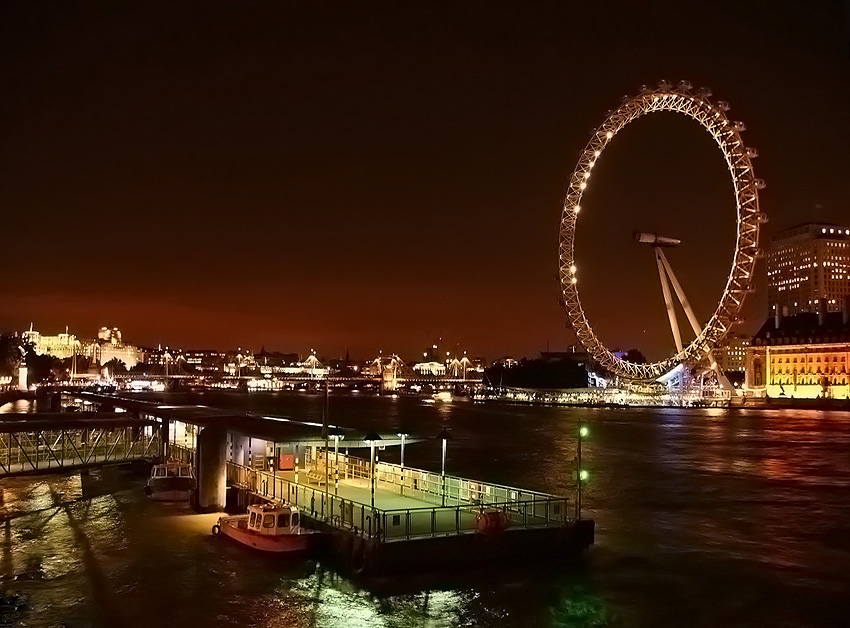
376	516
415	518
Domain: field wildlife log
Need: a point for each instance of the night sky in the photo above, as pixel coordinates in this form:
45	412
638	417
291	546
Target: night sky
372	176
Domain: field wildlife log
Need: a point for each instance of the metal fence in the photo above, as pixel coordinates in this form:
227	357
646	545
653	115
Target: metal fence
181	453
522	508
44	450
445	490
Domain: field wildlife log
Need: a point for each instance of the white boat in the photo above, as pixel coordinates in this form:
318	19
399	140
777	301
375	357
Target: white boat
171	481
269	528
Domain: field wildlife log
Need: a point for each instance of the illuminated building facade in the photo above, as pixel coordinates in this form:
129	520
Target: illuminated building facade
206	361
110	346
112	336
731	356
804	356
60	346
430	368
806	264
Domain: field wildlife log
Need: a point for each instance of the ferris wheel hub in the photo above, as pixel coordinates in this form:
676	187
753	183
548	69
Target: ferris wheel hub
656	240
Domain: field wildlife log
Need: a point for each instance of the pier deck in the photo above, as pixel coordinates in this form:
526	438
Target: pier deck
408	503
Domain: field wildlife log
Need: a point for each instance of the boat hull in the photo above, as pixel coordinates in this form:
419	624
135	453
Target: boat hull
170	489
170	496
280	544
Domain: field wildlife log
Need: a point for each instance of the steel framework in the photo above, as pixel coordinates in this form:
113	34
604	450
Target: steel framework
697	105
44	450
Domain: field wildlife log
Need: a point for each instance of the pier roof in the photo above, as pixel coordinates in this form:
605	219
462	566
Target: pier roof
263	426
40	421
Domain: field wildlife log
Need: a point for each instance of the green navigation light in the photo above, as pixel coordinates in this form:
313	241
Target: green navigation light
583	474
583	432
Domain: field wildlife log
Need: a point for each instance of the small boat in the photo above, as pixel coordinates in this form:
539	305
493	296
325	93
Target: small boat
171	482
270	528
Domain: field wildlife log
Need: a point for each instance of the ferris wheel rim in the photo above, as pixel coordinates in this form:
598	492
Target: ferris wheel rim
727	135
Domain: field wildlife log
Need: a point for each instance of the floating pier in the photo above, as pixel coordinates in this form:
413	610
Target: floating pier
376	516
400	517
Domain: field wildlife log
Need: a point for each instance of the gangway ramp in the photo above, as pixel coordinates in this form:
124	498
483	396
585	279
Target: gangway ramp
50	442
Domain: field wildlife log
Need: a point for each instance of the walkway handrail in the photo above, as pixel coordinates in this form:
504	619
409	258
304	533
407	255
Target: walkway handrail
48	450
404	523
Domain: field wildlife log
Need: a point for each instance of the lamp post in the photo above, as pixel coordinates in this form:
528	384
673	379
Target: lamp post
581	474
337	435
325	435
402	435
444	436
372	438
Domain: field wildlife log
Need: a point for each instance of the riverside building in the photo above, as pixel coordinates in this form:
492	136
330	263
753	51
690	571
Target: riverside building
803	356
808	264
731	356
59	346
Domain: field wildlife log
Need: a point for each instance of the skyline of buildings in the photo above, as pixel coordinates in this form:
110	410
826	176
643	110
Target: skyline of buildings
808	272
110	345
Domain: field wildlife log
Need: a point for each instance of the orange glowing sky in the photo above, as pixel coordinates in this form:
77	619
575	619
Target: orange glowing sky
375	176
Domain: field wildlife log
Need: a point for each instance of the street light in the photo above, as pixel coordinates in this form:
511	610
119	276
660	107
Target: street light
337	435
402	436
443	436
372	438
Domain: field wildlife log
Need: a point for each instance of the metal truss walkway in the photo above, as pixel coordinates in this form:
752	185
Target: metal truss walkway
47	442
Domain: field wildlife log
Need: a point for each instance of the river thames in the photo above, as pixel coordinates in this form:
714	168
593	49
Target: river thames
704	518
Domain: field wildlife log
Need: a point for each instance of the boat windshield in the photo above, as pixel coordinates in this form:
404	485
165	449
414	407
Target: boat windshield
283	520
268	521
294	519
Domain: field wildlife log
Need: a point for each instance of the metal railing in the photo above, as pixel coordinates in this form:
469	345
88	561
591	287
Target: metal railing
44	450
424	485
181	453
524	509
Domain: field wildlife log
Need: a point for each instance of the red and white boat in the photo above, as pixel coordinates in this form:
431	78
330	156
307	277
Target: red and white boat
269	528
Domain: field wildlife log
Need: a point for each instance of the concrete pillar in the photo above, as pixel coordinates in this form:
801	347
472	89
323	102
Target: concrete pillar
239	449
212	476
23	383
163	439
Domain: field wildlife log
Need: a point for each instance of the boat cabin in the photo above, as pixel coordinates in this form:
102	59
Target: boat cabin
172	470
272	520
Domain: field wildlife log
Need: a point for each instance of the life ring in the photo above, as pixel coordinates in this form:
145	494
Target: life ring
216	529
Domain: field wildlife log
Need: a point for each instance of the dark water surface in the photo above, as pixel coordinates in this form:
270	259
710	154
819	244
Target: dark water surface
704	518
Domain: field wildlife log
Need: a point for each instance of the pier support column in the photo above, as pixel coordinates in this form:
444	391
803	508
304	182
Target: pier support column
212	476
163	440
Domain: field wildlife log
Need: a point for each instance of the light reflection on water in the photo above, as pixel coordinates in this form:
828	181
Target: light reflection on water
20	406
704	517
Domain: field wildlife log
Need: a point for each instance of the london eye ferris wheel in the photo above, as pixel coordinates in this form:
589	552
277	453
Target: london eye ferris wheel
697	105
